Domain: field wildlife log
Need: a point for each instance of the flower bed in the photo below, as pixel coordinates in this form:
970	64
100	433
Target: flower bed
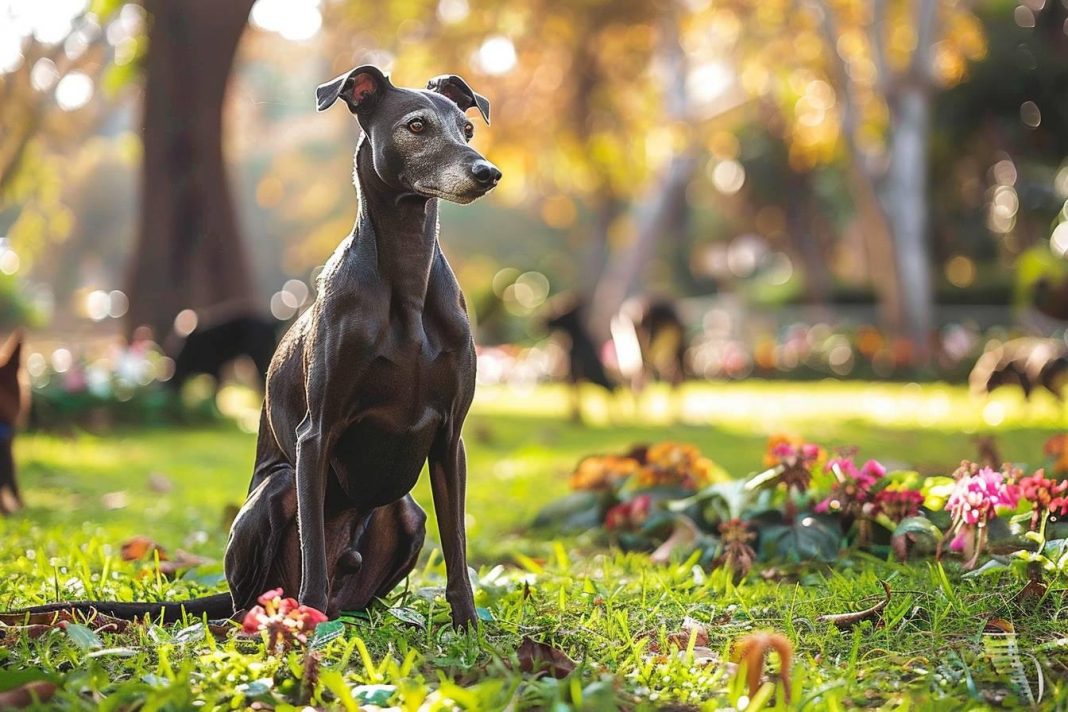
814	504
108	384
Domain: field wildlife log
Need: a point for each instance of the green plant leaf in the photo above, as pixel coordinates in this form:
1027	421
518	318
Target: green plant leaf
325	632
409	616
809	537
84	637
374	694
576	511
919	526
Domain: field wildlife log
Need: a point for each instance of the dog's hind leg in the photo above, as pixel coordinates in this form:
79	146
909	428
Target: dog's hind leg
389	546
258	556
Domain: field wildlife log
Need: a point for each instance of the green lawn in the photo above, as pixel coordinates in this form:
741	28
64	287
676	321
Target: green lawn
87	494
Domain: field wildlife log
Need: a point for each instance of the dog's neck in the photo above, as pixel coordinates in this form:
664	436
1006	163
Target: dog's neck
405	232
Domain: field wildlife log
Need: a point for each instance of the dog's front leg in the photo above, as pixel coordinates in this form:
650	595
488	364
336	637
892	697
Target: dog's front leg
448	480
312	460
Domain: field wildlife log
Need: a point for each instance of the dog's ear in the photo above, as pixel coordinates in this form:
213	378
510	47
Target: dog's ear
360	88
455	88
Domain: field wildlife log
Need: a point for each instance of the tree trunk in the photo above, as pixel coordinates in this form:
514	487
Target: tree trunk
664	209
189	252
802	232
606	210
628	265
905	198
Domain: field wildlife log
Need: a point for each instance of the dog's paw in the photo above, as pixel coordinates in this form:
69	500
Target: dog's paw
464	617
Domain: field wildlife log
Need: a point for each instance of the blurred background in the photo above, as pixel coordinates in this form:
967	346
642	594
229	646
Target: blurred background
693	189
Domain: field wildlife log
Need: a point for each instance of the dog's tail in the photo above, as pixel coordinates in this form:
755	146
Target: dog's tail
214	607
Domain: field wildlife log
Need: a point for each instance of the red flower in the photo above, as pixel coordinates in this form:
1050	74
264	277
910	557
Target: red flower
282	620
898	504
629	515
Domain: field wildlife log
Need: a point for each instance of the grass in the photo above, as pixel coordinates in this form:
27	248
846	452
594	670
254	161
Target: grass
613	613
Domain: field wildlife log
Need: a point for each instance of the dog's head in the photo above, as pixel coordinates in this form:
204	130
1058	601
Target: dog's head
419	138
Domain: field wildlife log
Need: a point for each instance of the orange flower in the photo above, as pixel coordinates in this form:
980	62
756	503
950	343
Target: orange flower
602	472
1057	447
676	464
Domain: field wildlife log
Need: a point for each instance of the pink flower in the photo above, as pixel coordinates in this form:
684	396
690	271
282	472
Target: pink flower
853	486
976	498
269	597
787	453
282	620
974	501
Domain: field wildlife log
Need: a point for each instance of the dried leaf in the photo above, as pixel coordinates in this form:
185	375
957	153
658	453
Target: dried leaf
141	547
540	659
182	560
846	620
690	627
28	695
751	652
683	536
11	634
159	483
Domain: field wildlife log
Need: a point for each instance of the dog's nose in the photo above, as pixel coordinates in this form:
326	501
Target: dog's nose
485	172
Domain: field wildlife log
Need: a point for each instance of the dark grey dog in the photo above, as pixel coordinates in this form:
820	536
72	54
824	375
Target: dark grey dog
372	381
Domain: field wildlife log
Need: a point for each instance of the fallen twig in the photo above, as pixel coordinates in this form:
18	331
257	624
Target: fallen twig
847	620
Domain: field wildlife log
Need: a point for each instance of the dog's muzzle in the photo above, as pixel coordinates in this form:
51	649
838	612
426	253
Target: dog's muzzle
487	174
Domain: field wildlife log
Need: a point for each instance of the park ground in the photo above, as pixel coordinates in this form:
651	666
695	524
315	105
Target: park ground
616	615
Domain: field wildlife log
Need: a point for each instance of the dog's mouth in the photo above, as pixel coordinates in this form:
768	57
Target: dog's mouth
471	194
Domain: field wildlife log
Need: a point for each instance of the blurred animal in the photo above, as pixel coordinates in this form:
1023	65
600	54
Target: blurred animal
13	397
215	342
371	382
1051	299
1027	362
650	341
568	318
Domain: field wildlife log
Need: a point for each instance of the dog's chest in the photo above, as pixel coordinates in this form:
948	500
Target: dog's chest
406	384
402	407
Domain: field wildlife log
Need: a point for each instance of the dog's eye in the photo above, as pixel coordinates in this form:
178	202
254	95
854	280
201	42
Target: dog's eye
469	131
416	125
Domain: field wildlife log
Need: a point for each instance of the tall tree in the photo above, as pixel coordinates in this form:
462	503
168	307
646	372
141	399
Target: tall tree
189	250
863	76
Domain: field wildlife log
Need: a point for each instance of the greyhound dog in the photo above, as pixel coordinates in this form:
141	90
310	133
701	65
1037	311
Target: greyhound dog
371	382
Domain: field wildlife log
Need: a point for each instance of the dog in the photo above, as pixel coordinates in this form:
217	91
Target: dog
212	345
655	339
13	396
1026	362
370	383
568	319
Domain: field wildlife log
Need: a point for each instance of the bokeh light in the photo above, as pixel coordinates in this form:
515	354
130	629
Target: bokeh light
496	56
295	20
74	91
